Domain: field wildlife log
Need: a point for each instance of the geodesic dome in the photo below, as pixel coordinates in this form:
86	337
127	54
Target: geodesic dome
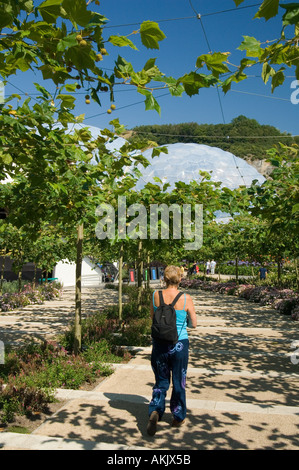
184	161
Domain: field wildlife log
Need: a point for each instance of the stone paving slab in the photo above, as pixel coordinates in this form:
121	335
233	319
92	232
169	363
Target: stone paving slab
210	425
207	403
241	386
242	389
35	442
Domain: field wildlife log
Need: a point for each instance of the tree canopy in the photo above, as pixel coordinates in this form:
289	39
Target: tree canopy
243	137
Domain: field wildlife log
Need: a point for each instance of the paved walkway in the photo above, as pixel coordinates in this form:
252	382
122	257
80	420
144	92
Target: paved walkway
242	385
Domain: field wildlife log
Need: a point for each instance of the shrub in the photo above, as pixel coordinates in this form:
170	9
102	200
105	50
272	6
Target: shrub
32	373
19	396
29	295
286	301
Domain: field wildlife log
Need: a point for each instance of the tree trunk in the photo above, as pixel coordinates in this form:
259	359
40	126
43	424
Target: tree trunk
278	269
297	273
20	280
77	338
120	282
2	274
148	271
139	274
34	276
237	270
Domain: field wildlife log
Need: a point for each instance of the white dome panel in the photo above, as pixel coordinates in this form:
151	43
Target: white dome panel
184	161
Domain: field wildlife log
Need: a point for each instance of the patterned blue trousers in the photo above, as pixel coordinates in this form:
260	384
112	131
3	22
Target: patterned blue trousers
166	360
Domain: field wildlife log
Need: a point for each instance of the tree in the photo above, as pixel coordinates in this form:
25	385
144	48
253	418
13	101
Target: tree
228	137
278	54
63	39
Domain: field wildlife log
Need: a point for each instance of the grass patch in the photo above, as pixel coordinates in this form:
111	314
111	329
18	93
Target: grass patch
18	429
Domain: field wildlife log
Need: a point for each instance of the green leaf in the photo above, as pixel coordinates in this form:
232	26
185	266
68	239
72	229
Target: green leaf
295	208
77	12
47	71
5	158
150	64
252	46
71	88
267	72
80	57
65	43
50	10
27	5
278	79
268	9
151	34
173	85
42	90
150	102
122	41
97	19
94	96
67	101
237	77
123	68
5	19
213	62
238	2
291	15
193	81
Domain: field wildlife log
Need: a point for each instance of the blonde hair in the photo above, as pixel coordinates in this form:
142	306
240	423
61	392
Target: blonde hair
172	276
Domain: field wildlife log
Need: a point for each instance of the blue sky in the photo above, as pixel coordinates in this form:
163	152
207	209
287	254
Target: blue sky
185	41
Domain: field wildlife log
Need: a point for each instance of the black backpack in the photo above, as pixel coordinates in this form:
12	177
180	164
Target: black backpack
164	328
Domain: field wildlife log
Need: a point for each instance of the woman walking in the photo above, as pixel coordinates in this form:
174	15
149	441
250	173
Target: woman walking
171	358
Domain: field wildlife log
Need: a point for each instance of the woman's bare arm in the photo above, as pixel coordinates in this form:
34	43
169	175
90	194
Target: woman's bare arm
192	319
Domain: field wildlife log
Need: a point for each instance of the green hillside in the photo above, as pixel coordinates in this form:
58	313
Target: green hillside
243	137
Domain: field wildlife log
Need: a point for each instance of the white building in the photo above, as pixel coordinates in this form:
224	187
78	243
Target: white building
65	272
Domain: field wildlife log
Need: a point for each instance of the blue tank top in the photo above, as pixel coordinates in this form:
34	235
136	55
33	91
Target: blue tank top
181	320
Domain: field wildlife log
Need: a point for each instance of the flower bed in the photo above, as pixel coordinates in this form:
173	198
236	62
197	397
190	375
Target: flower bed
286	301
29	296
31	374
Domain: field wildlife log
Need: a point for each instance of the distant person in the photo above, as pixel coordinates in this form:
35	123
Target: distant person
171	360
263	272
213	266
193	271
208	267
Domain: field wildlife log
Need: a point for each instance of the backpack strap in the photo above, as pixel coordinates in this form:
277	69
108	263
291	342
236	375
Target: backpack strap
154	299
161	298
176	299
162	303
